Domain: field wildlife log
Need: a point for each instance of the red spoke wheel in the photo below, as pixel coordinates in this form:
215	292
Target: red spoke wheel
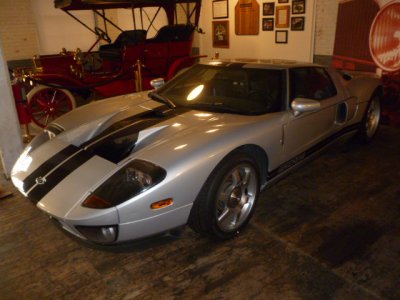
45	104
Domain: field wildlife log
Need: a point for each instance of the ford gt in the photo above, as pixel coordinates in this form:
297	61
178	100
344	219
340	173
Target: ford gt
197	150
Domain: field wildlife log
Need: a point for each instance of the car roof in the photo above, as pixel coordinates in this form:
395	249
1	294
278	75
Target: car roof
108	4
260	63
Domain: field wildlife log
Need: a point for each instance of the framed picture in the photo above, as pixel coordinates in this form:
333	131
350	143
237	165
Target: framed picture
298	7
283	1
281	36
220	34
282	16
268	8
268	24
220	9
297	23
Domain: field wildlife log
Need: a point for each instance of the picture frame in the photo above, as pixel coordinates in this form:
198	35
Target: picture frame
220	36
268	8
282	16
298	7
297	23
220	9
268	24
283	1
281	36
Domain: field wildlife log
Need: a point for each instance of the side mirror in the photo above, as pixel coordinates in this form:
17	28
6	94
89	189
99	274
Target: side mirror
302	105
157	83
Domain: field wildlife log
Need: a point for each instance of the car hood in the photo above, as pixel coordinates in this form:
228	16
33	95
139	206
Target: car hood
102	135
134	120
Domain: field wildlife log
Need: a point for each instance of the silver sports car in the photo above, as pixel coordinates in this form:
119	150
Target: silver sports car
195	151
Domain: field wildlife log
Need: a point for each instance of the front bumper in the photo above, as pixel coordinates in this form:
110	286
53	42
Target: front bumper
135	230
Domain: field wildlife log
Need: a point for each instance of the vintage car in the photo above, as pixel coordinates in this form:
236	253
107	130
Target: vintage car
159	44
197	150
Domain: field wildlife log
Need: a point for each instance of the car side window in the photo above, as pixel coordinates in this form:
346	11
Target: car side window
267	87
311	83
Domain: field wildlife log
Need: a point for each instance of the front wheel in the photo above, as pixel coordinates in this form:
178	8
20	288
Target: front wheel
227	199
45	104
370	122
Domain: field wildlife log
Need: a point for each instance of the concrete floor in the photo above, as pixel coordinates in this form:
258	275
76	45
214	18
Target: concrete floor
330	230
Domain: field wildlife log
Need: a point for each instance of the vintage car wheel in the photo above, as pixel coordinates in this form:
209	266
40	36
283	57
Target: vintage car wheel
371	120
226	202
46	104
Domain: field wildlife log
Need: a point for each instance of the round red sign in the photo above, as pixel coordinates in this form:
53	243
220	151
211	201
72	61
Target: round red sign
384	37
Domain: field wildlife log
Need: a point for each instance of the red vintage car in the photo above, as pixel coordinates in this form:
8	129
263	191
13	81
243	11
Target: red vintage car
124	65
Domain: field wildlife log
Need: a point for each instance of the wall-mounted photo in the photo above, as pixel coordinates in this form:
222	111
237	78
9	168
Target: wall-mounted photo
268	24
297	23
268	9
281	36
298	7
282	16
221	34
220	9
283	1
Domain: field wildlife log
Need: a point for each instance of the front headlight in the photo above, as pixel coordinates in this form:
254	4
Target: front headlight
128	182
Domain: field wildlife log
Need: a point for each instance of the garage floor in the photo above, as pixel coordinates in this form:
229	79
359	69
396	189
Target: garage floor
330	230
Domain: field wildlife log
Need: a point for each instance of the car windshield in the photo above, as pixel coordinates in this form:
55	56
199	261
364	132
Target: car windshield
230	89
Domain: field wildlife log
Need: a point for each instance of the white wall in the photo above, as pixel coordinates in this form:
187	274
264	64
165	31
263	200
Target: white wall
325	26
18	29
299	46
57	30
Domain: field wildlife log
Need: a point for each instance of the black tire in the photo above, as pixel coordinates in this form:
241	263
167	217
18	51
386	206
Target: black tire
370	122
227	199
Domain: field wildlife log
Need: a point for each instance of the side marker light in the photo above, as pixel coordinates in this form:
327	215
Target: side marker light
162	203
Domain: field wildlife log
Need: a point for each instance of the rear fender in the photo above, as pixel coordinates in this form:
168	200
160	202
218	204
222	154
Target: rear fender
364	87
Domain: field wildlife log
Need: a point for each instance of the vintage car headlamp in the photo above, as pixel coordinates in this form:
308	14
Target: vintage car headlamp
99	234
128	182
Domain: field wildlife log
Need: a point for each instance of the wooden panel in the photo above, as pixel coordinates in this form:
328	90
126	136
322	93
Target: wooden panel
247	17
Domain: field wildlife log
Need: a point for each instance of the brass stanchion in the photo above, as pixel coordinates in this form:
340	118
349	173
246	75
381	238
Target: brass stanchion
138	76
27	137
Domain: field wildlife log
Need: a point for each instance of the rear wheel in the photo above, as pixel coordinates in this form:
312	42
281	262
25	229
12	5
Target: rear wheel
370	122
45	104
226	202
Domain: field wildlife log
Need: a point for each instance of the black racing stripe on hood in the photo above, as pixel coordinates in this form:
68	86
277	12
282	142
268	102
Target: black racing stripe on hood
104	146
55	177
49	165
118	141
158	112
120	144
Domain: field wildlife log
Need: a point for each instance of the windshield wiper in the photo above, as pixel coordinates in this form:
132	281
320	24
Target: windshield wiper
163	99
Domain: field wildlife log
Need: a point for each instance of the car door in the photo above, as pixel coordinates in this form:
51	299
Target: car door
305	130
